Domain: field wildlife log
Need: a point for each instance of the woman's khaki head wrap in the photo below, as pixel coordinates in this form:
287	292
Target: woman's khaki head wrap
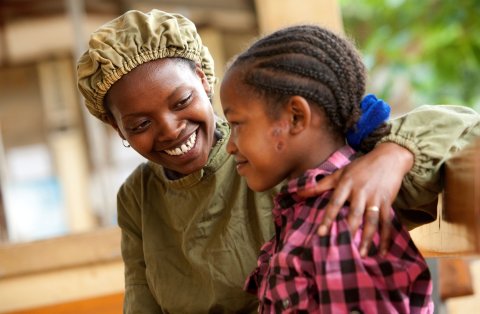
130	40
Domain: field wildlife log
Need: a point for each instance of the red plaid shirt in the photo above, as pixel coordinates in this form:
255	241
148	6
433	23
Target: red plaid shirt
299	271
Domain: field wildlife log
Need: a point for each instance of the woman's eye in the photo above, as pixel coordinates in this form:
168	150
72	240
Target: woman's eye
137	128
184	102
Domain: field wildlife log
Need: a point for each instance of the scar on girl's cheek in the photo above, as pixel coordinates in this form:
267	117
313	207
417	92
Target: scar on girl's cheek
276	132
279	146
279	128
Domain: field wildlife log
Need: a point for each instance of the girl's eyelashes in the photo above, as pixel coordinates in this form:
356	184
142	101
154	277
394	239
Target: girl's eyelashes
235	126
232	123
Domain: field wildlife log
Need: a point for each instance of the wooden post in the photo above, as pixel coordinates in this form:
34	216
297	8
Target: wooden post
456	231
3	218
274	14
65	140
462	195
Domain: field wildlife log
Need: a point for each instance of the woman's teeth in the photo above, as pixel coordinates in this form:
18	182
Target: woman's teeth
184	148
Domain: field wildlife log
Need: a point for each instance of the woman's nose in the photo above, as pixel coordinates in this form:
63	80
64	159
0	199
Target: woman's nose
169	129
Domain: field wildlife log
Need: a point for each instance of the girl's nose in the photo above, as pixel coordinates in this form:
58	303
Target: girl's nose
231	147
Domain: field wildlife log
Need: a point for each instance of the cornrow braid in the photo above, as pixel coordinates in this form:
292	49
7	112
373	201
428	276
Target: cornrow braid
311	62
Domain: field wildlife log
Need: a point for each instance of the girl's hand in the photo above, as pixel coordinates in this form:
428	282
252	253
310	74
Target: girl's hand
371	184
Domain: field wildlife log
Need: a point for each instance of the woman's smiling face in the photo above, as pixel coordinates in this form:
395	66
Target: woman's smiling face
163	110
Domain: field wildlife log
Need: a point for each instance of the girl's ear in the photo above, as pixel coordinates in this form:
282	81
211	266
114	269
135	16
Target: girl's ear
299	114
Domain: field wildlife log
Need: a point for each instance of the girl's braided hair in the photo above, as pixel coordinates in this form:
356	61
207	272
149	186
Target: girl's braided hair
314	63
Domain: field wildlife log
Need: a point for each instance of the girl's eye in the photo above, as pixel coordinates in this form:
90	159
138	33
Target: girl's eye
234	125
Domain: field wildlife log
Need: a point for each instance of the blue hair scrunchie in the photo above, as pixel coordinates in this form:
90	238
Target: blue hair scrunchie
374	113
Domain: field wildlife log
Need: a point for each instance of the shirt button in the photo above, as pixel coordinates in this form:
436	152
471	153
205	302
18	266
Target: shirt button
286	303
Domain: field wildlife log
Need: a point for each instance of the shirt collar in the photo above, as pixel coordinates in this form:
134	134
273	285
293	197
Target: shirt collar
288	193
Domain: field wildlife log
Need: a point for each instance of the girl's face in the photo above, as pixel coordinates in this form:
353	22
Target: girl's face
257	141
162	109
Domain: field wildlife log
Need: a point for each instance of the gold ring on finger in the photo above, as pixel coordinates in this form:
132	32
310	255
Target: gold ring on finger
373	209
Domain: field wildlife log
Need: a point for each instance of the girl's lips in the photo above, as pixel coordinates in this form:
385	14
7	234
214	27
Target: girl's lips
241	165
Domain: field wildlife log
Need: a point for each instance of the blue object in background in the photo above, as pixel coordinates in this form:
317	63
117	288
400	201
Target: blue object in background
35	210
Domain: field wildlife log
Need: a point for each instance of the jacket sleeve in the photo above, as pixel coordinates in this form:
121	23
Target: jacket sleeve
138	298
433	133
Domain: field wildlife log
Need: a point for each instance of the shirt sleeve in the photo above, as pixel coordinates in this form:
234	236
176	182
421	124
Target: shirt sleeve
433	133
138	298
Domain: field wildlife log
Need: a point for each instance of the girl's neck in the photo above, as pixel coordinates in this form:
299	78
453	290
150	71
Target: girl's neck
316	154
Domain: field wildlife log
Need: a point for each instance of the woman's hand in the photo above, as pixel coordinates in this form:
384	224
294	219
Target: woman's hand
371	184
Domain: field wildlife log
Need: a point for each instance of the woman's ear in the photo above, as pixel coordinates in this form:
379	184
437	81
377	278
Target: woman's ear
299	114
113	124
203	78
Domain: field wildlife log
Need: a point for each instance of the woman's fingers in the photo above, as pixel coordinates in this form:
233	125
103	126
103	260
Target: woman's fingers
327	183
337	200
386	228
355	215
370	226
368	181
377	217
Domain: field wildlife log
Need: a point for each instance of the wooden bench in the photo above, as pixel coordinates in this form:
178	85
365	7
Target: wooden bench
77	273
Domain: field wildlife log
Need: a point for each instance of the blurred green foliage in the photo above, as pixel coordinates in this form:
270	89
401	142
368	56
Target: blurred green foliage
435	44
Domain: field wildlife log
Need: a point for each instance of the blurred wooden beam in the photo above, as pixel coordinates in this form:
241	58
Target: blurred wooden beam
61	270
50	288
99	246
221	17
108	304
275	14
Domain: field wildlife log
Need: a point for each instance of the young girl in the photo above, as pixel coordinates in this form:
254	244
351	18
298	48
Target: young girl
289	91
191	228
